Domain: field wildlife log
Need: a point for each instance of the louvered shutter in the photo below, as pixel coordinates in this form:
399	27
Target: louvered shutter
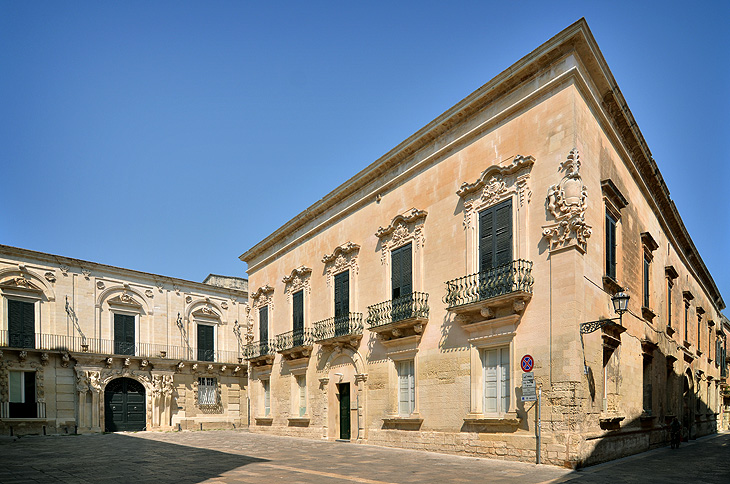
342	295
401	271
503	233
298	312
264	325
486	239
123	334
206	344
15	323
610	246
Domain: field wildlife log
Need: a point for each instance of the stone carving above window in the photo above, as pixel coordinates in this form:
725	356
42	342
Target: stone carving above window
50	276
341	259
495	184
566	202
125	300
404	228
264	296
297	280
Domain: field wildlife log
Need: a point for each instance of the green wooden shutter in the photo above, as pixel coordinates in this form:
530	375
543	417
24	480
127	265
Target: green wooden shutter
206	345
495	236
264	324
342	295
610	246
21	324
401	271
298	318
123	334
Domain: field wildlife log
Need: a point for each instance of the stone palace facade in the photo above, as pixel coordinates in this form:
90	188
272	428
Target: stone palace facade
396	310
87	347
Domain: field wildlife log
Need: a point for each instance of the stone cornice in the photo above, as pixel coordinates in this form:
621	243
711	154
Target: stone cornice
576	38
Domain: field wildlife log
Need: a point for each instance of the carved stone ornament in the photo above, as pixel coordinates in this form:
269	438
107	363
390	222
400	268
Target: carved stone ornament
50	276
567	203
64	269
188	299
125	299
21	282
404	228
264	296
341	259
297	280
205	312
65	360
149	293
495	184
44	359
86	273
224	305
99	285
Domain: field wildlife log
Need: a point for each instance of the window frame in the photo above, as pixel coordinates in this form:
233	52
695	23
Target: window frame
208	391
500	383
123	312
410	390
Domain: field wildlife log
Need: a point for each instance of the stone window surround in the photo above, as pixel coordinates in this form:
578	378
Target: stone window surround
495	185
25	296
649	245
394	395
298	280
263	297
295	392
614	201
343	258
477	346
126	312
403	229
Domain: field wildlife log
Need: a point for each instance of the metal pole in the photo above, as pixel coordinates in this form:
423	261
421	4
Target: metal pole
539	423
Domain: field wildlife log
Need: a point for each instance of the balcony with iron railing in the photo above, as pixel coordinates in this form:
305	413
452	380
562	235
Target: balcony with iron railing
499	291
339	330
400	317
80	344
260	353
295	344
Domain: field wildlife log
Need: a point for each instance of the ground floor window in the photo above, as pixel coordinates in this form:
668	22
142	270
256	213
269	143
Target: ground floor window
207	391
406	387
302	386
496	380
21	393
267	397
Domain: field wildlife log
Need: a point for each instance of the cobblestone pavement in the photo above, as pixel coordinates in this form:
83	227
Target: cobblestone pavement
242	457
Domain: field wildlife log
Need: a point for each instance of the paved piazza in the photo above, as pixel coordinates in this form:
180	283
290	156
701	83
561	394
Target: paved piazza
242	457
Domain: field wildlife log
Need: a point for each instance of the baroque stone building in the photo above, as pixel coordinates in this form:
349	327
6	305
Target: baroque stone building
87	347
396	310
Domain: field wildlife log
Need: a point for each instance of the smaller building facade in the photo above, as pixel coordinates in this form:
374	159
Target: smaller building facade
87	347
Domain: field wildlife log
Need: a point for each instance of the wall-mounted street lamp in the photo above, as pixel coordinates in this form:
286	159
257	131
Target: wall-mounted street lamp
620	302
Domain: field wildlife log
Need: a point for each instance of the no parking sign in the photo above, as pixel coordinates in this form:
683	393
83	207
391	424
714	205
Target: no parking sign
527	363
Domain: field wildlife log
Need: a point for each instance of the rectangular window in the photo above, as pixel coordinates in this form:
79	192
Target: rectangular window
496	380
670	285
342	298
298	318
406	388
647	270
610	246
302	385
207	391
264	324
124	334
21	393
699	332
267	397
206	344
402	283
21	324
686	321
495	236
647	398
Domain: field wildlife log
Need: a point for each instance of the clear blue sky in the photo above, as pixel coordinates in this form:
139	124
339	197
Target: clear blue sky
170	137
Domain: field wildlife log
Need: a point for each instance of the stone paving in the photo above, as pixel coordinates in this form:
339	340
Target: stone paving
242	457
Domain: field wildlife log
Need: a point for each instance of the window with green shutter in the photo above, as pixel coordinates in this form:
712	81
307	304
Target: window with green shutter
610	246
298	318
206	342
495	236
124	334
21	324
401	271
264	324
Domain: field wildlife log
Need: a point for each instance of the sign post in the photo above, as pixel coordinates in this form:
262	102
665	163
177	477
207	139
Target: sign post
529	394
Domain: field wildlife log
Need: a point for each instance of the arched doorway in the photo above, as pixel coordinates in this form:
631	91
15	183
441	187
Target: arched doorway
124	406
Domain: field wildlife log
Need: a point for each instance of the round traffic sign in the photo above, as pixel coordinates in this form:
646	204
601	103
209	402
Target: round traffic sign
527	363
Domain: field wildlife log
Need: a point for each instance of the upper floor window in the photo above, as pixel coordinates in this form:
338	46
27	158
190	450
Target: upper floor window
495	236
671	275
342	296
206	342
263	324
610	246
21	324
649	245
298	317
124	334
401	271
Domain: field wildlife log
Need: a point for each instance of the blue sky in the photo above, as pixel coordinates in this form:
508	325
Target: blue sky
170	137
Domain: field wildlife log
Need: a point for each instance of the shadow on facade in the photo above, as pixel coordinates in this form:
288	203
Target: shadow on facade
118	458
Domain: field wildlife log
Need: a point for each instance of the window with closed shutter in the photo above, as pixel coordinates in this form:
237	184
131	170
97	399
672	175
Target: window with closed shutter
406	387
496	380
302	384
401	271
610	246
21	324
342	295
206	342
298	318
264	324
495	236
124	334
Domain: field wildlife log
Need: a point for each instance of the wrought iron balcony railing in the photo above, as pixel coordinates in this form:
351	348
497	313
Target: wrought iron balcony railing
78	344
511	277
294	339
413	305
257	349
348	325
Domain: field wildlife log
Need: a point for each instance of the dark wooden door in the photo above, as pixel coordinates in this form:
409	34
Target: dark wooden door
206	346
344	396
123	334
21	324
124	406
